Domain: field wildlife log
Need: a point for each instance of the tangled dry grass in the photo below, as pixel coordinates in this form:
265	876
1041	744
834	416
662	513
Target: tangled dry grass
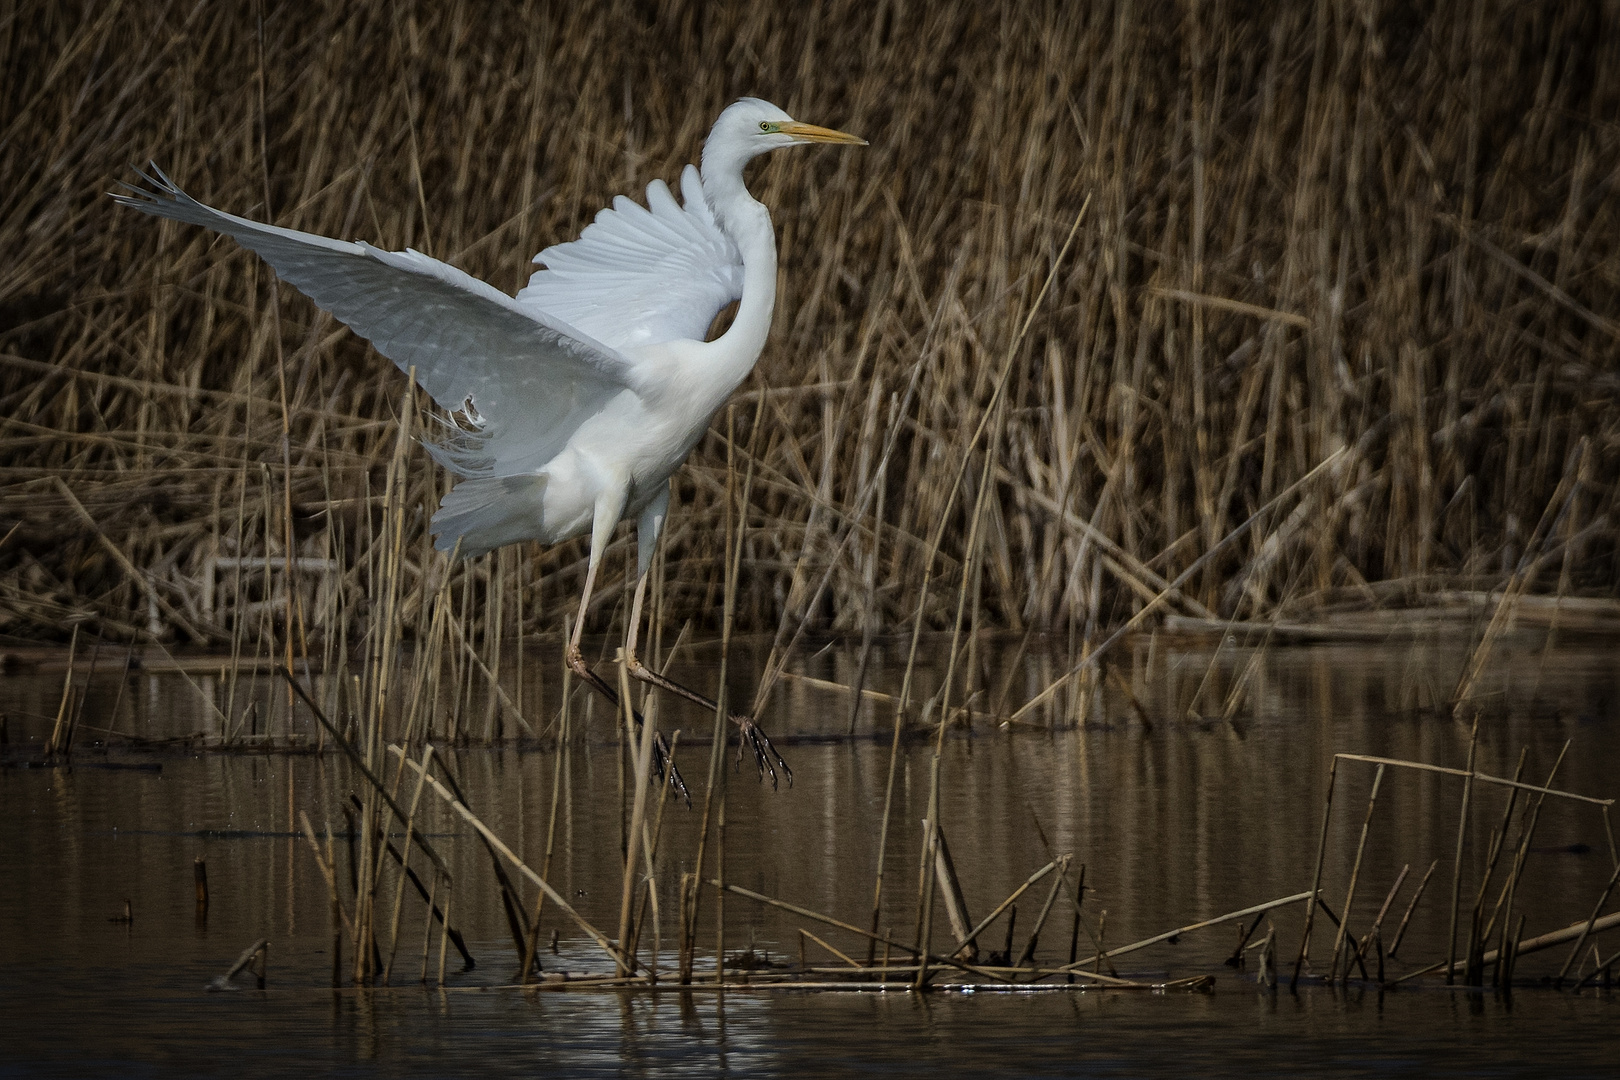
1342	229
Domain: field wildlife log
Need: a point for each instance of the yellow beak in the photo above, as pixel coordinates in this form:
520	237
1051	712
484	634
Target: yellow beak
811	133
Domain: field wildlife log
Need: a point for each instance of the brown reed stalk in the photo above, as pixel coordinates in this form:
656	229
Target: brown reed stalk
888	942
1603	898
1169	934
340	918
649	850
1040	920
561	751
643	762
405	860
495	842
1281	259
1462	832
1374	932
1411	906
1355	875
1316	875
925	886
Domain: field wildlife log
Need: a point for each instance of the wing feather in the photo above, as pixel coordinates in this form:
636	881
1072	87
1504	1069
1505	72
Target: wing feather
530	377
638	275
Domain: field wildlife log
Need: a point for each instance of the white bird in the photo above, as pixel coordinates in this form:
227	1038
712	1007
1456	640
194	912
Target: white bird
580	397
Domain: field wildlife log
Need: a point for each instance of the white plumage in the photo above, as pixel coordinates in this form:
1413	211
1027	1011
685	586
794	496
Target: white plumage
578	398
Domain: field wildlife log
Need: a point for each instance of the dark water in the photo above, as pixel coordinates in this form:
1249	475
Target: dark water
1176	820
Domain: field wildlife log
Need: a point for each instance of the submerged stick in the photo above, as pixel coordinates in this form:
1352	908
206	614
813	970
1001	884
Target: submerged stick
256	955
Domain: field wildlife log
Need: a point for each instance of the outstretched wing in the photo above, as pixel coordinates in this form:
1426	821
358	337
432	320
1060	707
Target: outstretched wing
640	275
524	378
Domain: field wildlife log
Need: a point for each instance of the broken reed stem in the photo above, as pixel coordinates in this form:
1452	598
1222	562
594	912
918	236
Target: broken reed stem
1355	874
883	833
1462	833
1480	777
1040	920
649	848
551	826
803	933
517	863
340	919
1603	898
1548	940
736	520
984	923
637	814
1375	931
405	859
1504	902
925	895
1411	907
888	942
1189	928
1174	588
1499	834
949	886
1316	875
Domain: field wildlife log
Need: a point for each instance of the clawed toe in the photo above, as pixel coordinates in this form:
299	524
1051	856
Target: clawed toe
665	769
765	753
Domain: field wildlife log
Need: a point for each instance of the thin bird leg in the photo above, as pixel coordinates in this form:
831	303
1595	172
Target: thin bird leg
765	753
662	766
572	655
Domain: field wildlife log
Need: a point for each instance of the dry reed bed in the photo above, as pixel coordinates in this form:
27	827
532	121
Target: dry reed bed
1345	230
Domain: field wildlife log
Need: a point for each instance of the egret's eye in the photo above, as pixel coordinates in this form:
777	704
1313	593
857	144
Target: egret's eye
767	127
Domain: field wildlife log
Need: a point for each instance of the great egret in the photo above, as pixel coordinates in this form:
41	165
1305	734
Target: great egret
576	400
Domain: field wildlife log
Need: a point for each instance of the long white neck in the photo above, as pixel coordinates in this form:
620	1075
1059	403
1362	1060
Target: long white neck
748	223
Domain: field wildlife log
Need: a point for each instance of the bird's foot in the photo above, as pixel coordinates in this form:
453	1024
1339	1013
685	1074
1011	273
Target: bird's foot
753	737
664	768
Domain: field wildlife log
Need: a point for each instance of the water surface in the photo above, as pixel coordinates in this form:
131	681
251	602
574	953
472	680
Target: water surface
1176	819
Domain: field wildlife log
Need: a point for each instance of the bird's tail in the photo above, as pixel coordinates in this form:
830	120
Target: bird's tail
489	512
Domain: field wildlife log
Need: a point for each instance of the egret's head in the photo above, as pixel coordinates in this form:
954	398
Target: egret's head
751	127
